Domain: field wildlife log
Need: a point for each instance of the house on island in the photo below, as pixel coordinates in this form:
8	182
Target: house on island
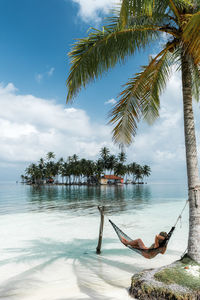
111	179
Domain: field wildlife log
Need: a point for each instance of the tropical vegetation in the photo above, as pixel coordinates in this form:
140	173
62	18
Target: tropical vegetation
83	171
135	26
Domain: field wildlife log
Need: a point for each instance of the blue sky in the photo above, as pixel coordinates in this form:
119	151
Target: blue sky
35	39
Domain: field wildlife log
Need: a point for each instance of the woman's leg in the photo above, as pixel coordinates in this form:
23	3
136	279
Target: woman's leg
134	243
137	243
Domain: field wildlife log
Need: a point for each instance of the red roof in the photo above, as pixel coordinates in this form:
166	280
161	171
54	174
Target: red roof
112	177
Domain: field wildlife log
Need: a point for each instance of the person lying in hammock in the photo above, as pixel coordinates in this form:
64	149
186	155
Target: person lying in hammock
154	249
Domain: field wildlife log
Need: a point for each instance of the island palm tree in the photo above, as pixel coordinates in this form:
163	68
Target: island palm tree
61	168
50	155
122	157
120	169
137	24
75	158
111	162
146	171
139	173
104	154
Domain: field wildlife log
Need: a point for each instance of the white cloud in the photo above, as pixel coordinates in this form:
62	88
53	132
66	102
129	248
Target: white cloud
50	72
9	88
30	127
91	9
40	76
111	101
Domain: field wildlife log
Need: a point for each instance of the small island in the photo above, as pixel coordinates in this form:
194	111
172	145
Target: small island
108	169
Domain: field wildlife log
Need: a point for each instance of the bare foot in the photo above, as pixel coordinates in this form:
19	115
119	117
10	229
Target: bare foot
124	241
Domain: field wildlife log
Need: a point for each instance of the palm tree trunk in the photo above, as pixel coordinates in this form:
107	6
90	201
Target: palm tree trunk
192	163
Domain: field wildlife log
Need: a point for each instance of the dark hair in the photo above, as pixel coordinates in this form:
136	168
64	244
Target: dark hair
163	233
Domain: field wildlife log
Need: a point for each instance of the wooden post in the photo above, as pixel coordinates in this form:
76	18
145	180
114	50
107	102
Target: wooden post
101	210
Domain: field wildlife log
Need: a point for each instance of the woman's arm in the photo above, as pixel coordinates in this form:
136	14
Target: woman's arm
157	238
156	244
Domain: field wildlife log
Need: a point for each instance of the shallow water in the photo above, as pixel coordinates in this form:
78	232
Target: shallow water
49	236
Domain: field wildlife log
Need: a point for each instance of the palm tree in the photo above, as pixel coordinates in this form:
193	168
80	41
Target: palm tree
136	25
69	159
120	169
98	168
122	157
138	173
61	168
146	171
66	172
111	162
35	173
104	154
41	166
128	172
132	170
50	155
75	157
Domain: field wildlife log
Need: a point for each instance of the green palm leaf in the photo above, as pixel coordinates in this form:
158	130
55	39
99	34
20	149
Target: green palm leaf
195	81
130	8
140	98
101	50
191	37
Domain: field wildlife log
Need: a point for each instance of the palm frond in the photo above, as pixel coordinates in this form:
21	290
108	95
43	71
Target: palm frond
180	7
124	13
191	37
140	98
174	9
137	8
133	8
184	3
101	50
164	20
197	5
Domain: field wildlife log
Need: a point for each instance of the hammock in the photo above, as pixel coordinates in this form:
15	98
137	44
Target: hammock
152	252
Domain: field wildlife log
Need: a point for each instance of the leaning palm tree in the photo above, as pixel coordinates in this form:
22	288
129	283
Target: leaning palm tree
137	24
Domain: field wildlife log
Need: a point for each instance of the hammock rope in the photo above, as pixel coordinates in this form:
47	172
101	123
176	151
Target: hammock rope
180	216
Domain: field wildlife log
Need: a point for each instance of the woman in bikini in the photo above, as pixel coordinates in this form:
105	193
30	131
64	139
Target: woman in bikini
154	248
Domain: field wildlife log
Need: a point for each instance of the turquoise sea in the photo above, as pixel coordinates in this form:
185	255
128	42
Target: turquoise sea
49	237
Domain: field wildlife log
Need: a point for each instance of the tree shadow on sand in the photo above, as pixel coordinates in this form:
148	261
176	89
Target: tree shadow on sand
92	271
80	253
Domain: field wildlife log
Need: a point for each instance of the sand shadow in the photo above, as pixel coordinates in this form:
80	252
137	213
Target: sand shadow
40	254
